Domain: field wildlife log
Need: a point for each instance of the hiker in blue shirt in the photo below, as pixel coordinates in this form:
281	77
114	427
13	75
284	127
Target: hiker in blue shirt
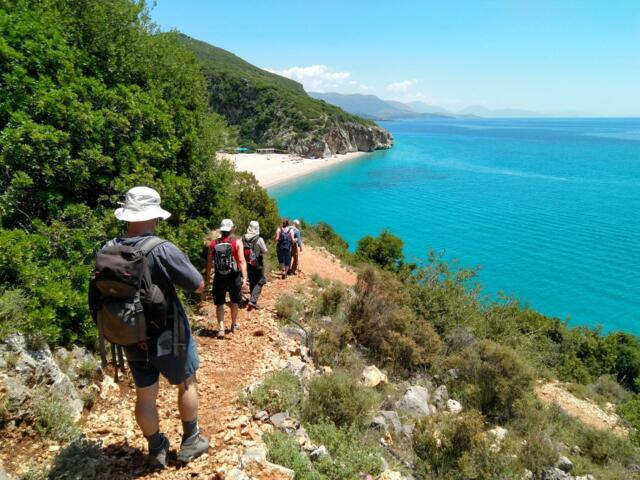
296	248
169	268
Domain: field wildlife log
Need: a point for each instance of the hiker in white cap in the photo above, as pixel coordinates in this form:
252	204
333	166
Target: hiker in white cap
161	352
254	250
296	248
226	255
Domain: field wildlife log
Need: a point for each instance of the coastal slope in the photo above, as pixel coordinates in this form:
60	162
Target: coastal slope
273	111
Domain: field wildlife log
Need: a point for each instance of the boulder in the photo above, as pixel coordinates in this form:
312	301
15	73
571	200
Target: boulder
296	333
253	454
454	406
440	397
553	473
386	420
282	421
372	377
236	474
527	475
302	437
498	433
296	366
318	453
415	402
564	464
269	471
261	416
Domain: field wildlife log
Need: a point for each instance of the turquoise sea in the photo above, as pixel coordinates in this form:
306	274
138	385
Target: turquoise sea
549	208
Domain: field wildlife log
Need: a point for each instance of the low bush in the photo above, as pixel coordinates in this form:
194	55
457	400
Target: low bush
52	417
289	308
384	251
491	378
279	392
383	322
337	398
284	450
324	235
13	311
331	299
350	452
455	447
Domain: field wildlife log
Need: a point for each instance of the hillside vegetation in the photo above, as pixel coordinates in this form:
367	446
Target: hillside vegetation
270	110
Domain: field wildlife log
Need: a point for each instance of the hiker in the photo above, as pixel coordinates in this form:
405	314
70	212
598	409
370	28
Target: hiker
254	249
162	342
226	255
296	248
284	242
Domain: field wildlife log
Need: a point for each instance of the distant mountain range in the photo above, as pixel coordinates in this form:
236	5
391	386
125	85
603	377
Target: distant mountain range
375	108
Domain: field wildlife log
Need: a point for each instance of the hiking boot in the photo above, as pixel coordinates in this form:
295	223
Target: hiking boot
157	459
193	449
235	327
221	334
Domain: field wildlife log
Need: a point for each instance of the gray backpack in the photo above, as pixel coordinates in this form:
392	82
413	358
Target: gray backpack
131	308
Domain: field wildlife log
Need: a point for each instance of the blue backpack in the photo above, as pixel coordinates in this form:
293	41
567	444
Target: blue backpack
284	243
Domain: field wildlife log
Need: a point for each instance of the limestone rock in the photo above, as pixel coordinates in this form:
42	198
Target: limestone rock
295	333
371	377
454	406
282	421
236	474
253	454
415	402
440	396
553	473
564	464
386	420
261	416
498	433
318	453
390	475
269	471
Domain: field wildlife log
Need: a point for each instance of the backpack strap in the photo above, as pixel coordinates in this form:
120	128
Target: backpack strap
150	243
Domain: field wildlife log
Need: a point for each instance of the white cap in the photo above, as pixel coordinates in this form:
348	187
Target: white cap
226	225
141	204
296	222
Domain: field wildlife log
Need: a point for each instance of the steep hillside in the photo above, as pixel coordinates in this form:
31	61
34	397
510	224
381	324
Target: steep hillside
270	110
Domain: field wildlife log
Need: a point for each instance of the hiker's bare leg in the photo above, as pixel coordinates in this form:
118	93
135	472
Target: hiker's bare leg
188	400
220	316
234	314
146	409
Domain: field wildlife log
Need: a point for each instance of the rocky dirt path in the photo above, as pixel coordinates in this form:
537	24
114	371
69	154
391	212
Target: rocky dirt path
226	368
588	412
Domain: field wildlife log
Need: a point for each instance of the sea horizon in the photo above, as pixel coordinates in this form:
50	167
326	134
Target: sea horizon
546	206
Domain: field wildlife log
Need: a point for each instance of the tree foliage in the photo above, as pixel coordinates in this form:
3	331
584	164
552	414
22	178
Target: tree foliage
93	101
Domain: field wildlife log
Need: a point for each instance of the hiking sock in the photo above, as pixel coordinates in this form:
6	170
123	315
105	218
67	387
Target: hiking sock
190	431
155	441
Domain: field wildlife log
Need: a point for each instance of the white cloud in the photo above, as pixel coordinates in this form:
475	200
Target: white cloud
314	77
404	86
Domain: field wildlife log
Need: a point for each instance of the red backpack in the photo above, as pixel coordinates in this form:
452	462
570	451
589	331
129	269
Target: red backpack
250	246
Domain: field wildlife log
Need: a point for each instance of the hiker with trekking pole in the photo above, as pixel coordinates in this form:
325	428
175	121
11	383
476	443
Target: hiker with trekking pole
226	257
132	298
254	250
284	242
296	249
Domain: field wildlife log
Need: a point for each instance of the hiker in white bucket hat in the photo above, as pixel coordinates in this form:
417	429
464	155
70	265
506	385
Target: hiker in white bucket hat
141	204
169	269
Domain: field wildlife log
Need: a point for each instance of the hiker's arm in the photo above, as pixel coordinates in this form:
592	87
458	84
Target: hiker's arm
262	245
207	270
277	235
177	267
242	261
200	289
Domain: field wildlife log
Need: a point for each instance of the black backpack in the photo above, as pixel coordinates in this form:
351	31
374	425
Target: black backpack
223	259
131	309
284	242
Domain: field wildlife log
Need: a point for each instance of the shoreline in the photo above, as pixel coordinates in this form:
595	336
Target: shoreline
272	169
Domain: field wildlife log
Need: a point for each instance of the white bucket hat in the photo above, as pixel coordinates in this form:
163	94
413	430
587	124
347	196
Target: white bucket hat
226	225
141	204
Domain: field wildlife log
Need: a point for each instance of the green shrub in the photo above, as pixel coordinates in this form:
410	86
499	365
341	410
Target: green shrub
14	311
337	397
384	251
289	308
279	392
88	367
607	388
331	299
52	417
284	450
383	322
351	453
456	447
491	378
324	235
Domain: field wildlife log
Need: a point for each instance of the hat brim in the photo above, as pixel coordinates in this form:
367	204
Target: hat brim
149	213
226	229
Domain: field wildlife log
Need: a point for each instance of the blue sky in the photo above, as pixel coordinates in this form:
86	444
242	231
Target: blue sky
559	56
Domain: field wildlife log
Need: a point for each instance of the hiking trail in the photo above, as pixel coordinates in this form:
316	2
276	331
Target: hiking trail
226	368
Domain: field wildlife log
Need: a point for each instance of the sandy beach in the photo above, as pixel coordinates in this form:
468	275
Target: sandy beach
275	168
